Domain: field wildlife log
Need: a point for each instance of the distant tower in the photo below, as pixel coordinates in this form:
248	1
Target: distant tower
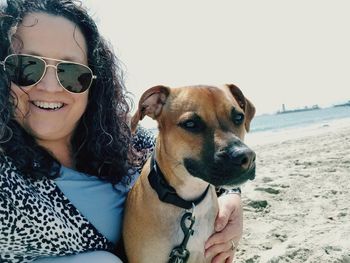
283	107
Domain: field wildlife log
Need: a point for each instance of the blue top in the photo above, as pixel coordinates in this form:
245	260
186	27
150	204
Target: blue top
57	229
100	202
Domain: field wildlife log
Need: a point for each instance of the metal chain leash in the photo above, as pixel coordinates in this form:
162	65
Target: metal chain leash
180	254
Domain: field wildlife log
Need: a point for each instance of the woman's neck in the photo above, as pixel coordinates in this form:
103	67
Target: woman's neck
61	150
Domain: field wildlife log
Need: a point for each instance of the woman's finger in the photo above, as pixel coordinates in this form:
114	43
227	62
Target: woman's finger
218	248
230	259
221	237
226	256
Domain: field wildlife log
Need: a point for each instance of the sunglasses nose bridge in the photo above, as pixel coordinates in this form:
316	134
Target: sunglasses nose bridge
55	73
49	65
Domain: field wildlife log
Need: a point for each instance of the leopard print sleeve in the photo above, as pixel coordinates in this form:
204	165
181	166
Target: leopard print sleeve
143	142
37	220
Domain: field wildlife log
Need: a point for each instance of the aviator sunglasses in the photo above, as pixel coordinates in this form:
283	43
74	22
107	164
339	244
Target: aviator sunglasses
28	70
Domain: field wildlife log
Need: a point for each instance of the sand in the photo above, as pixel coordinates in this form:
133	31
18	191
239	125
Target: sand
298	207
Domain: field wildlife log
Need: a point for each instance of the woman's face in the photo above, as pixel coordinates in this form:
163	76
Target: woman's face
46	110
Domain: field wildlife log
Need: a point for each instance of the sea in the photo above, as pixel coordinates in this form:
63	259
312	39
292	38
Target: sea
276	128
273	128
278	122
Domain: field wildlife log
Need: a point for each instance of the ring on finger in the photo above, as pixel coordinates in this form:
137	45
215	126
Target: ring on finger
233	245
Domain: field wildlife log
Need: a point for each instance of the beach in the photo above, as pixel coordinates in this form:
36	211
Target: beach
298	207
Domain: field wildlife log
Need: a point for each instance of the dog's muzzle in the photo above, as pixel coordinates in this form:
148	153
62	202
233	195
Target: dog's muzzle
232	165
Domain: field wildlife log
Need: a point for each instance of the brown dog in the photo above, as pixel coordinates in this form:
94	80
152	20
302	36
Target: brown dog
170	211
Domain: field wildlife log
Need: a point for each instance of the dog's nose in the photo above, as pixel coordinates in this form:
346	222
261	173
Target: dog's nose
242	156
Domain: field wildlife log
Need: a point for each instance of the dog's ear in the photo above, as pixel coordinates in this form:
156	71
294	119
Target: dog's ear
244	103
150	104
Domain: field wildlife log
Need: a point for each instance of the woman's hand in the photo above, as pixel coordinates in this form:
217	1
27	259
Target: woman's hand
228	229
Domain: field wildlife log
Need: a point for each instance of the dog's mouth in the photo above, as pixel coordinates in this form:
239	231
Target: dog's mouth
219	175
220	178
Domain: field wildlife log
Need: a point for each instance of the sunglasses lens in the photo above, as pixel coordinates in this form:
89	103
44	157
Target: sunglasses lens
24	70
75	78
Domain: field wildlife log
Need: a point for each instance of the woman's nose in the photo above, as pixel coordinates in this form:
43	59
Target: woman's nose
49	82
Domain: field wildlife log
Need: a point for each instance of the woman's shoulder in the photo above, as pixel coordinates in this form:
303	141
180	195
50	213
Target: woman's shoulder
143	139
12	179
143	144
6	164
10	176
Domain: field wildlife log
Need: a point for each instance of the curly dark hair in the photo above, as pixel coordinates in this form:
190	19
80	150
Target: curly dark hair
101	141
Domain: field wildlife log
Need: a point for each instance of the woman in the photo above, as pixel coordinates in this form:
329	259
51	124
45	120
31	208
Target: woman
65	142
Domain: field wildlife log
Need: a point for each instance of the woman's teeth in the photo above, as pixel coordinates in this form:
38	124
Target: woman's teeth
48	105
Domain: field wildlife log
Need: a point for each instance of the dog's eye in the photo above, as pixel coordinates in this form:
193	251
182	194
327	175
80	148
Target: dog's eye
193	125
189	125
238	118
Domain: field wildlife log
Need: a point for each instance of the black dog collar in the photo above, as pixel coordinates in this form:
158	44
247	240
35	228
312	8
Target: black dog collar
165	192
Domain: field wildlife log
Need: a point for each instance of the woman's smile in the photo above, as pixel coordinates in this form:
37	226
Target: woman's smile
48	106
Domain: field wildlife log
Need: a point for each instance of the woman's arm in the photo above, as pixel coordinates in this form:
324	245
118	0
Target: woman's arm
229	228
87	257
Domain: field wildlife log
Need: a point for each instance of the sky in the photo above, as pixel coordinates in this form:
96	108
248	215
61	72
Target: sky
294	52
